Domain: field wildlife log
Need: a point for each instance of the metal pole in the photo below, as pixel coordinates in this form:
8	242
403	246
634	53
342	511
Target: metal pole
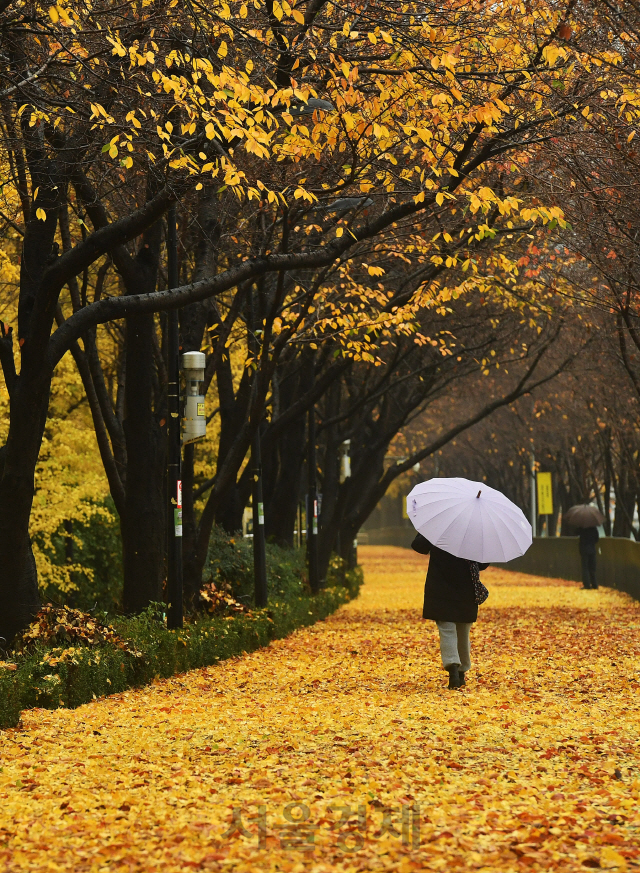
259	546
533	494
312	512
353	563
174	509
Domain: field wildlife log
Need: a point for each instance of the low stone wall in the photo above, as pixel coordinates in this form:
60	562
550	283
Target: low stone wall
618	560
387	536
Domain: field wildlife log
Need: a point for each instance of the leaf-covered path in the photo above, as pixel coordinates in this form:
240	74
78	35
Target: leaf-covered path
535	766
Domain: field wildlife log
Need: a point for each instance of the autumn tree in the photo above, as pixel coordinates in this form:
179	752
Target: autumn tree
110	114
582	428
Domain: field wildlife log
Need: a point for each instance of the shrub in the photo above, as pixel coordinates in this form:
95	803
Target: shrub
340	575
68	668
68	657
230	561
97	553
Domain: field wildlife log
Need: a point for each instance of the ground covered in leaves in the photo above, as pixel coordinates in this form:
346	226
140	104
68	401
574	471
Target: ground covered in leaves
339	748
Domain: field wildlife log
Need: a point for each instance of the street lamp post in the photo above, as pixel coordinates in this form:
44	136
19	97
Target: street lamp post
174	508
345	473
259	546
534	517
259	543
312	507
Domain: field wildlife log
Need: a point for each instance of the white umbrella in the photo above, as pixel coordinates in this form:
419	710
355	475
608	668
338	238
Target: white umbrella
469	520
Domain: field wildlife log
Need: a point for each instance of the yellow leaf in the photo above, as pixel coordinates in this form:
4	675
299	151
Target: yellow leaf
439	198
298	16
345	69
339	231
128	162
222	51
54	14
113	151
550	54
41	214
210	131
585	111
610	858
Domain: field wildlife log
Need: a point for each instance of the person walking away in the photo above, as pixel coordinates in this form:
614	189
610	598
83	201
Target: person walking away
589	537
450	601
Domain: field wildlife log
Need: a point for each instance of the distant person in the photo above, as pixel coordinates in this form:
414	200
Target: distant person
589	537
450	601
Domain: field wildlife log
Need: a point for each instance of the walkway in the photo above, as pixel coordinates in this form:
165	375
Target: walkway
348	726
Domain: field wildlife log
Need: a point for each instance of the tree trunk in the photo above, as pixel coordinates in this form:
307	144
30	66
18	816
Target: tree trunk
143	526
283	465
625	503
232	504
18	577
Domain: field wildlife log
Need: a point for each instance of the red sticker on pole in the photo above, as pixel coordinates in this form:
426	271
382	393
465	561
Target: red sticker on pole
179	495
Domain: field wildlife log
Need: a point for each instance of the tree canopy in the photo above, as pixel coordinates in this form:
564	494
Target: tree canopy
358	201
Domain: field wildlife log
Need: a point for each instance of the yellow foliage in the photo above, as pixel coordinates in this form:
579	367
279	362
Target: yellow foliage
70	480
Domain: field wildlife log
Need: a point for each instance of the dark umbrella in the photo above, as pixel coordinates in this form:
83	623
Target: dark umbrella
584	515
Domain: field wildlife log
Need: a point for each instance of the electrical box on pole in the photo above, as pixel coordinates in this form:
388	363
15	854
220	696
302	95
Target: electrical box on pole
345	461
194	420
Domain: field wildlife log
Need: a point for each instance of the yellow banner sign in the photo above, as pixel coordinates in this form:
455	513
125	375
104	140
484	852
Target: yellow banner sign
545	494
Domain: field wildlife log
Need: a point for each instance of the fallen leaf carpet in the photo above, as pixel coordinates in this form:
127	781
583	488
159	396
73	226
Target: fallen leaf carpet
340	748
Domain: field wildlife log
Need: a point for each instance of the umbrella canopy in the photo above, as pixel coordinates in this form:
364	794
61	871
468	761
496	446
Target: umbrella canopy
584	515
469	520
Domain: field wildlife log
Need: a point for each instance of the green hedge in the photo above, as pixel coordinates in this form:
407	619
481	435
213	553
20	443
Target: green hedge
75	675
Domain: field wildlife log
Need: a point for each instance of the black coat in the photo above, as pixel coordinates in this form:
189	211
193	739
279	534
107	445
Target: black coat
589	537
448	591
